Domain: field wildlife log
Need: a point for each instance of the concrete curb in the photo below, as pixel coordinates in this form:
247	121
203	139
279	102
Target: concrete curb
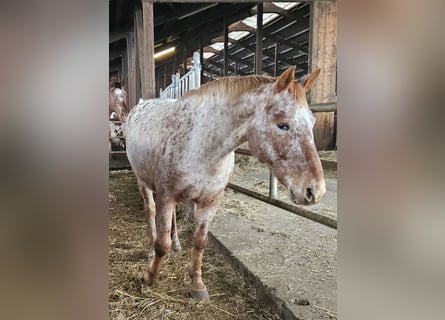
264	293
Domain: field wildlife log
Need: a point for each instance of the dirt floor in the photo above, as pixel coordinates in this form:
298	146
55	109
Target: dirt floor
231	297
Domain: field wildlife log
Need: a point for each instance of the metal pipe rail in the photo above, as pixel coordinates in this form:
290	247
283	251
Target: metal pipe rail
323	107
327	221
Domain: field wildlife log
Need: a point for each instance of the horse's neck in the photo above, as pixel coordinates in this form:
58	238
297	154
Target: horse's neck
224	126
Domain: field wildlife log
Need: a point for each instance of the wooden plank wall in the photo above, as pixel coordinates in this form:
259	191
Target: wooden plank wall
323	56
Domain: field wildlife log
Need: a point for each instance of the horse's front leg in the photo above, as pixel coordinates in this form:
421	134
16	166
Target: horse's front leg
162	243
203	217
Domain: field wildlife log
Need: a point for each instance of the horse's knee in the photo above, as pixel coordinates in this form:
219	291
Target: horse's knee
200	243
162	245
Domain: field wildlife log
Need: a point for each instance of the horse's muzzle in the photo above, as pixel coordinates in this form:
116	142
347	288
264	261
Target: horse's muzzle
308	195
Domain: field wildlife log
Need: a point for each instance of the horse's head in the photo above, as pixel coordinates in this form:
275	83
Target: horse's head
118	102
281	136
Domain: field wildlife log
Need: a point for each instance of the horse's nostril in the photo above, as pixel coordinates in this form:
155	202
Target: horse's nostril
309	195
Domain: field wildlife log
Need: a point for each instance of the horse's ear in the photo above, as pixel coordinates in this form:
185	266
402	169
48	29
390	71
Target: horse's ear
286	80
307	80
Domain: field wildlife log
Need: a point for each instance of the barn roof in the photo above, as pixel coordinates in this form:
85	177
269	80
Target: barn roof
185	26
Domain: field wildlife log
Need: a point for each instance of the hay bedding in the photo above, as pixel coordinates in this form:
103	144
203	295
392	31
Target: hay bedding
231	297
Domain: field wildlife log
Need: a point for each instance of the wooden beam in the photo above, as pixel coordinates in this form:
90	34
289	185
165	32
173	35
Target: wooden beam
222	1
140	55
131	86
284	57
221	39
211	49
220	66
269	7
289	43
149	89
242	61
113	56
203	34
116	36
240	26
210	16
324	56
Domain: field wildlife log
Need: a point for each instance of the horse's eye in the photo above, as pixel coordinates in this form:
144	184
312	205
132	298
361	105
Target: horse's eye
283	126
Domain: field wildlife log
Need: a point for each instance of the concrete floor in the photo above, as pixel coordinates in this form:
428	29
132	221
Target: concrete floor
290	260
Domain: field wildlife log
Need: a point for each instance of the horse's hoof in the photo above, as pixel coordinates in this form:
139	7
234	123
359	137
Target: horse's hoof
200	294
176	247
149	280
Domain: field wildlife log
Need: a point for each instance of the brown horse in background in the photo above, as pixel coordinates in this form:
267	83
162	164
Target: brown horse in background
118	100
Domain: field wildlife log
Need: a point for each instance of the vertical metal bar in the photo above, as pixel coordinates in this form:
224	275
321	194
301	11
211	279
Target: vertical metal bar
258	70
197	58
273	186
273	183
201	59
259	40
185	60
226	47
275	69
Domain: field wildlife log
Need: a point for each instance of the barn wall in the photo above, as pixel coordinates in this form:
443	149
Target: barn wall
324	56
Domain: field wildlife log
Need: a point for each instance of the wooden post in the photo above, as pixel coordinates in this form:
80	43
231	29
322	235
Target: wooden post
131	83
323	56
124	75
226	47
140	55
149	88
259	39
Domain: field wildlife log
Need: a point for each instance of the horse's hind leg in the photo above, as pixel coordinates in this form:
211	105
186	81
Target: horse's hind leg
176	246
162	244
150	211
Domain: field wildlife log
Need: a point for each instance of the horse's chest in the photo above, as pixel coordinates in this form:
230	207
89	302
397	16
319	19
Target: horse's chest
203	180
